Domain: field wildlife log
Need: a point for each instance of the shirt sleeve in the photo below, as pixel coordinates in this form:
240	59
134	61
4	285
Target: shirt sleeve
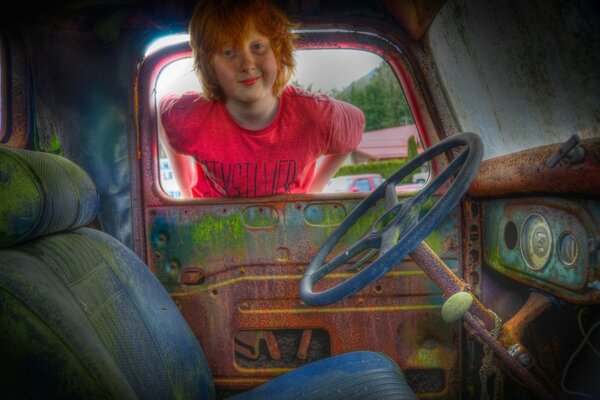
173	109
347	126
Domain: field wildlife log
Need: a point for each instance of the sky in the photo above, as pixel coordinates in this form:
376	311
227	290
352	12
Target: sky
324	69
327	69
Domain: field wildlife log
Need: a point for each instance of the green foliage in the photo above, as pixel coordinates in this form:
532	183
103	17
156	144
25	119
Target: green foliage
413	148
384	168
380	97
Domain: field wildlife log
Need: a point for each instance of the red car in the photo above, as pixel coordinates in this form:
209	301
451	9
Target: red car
353	183
364	183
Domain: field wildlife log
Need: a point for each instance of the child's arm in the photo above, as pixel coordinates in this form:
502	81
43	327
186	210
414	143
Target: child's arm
325	170
183	166
348	124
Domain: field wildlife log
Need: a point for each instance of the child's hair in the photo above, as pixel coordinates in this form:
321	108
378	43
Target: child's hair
216	23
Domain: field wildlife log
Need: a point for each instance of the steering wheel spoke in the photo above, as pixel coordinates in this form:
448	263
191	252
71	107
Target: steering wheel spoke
351	252
404	216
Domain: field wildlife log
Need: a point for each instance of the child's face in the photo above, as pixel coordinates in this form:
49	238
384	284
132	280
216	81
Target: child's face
246	73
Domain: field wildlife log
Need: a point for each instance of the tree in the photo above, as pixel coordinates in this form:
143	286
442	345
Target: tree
379	95
413	148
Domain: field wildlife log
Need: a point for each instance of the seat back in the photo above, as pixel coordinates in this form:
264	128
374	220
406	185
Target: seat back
81	315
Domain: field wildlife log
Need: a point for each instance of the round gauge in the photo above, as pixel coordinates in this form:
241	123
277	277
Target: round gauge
536	241
568	248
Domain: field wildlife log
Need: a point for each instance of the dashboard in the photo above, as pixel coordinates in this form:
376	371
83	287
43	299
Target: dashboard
549	243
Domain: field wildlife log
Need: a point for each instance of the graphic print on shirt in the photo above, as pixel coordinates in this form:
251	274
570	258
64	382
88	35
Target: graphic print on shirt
250	179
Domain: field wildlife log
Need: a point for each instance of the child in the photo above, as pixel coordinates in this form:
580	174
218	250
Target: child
249	133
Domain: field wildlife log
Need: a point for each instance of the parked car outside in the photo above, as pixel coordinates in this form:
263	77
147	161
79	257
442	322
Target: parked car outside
353	183
409	187
167	179
366	183
421	177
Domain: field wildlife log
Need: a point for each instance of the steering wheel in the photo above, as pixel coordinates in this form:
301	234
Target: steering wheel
400	229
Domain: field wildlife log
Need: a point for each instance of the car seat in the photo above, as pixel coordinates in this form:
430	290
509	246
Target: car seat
82	316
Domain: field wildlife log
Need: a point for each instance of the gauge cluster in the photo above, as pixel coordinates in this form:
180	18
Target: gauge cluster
547	243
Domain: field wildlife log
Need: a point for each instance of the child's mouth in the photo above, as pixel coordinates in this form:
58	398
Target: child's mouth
250	81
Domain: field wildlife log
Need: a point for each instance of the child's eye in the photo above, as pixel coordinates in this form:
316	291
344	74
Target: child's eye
258	47
228	53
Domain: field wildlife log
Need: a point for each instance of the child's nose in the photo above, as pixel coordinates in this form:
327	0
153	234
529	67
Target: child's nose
246	60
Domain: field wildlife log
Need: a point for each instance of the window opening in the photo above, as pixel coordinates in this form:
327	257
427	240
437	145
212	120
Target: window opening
358	77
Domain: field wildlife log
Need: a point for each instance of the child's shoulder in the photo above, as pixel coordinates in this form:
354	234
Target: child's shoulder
181	101
301	95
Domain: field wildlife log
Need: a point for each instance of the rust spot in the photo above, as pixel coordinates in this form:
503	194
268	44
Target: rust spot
526	172
173	266
162	238
194	276
474	254
474	278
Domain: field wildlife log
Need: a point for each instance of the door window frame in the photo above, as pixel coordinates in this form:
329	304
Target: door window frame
145	166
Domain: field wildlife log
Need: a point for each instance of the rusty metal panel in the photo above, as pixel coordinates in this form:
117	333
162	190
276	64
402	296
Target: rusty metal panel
234	271
527	172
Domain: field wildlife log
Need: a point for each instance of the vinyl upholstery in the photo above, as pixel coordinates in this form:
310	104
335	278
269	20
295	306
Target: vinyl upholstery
82	316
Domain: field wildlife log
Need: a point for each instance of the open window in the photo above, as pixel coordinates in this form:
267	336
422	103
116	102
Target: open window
356	75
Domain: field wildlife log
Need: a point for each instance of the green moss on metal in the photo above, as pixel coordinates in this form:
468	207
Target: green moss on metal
324	214
262	222
364	224
260	217
227	230
54	146
47	143
429	358
333	215
435	241
492	256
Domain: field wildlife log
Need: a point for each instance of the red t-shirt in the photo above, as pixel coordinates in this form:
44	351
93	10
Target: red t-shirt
236	162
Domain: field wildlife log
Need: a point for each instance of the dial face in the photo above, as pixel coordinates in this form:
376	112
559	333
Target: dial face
536	241
568	248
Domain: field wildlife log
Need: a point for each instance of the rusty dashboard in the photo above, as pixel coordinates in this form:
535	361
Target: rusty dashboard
545	242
